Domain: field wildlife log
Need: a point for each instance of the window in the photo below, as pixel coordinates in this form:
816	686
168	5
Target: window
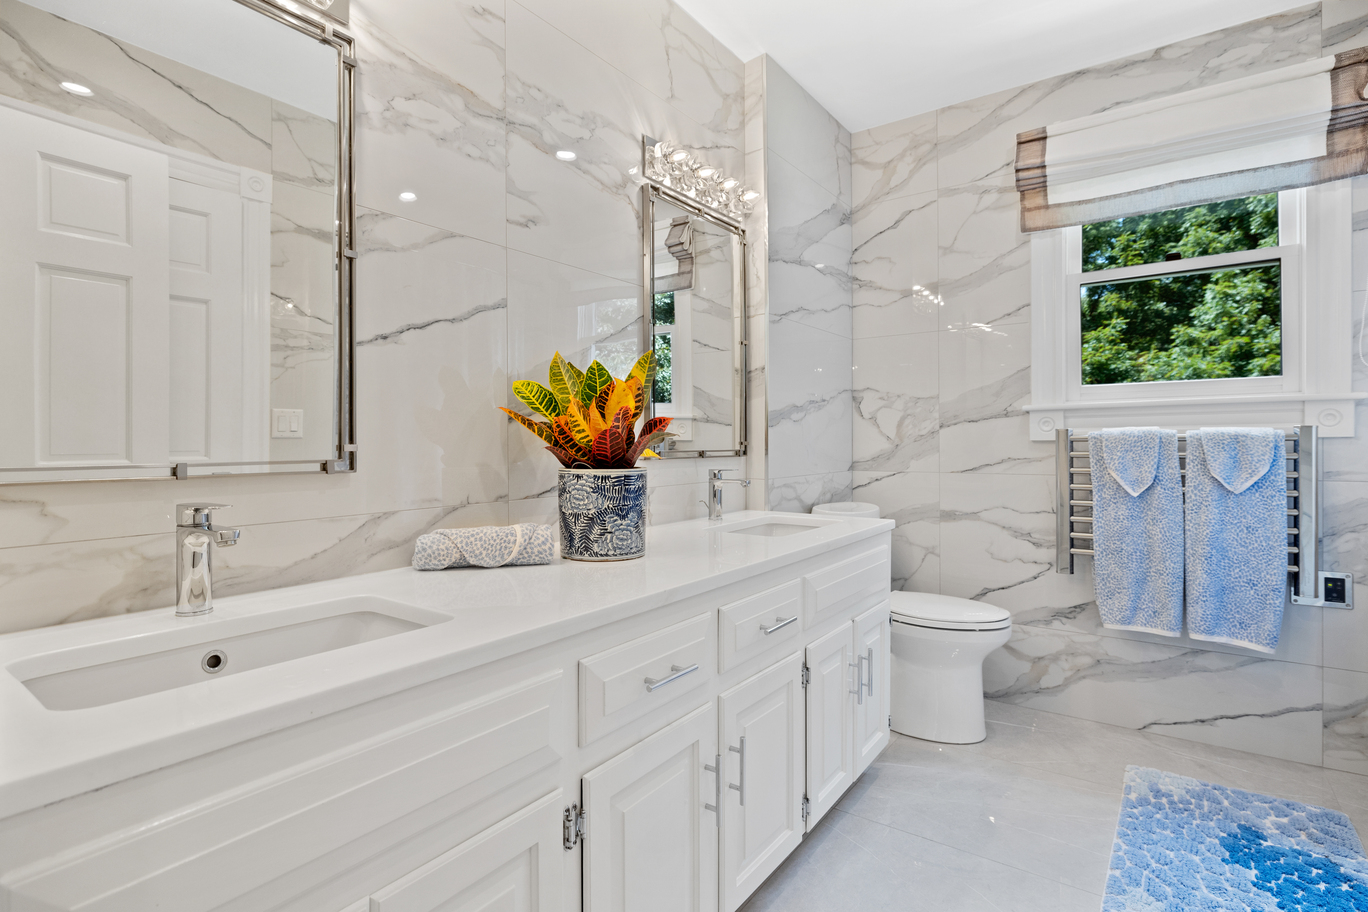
663	316
1234	312
1206	302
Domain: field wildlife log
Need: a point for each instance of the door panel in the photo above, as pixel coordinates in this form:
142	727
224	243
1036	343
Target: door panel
871	642
767	712
650	845
830	700
514	866
85	274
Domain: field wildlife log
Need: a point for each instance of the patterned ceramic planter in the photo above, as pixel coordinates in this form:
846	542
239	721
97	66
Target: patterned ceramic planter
603	514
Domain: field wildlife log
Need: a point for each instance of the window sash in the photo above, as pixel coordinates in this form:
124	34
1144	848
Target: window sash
1288	255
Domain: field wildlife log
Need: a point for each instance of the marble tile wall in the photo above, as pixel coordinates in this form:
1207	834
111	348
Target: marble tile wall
800	155
941	330
506	255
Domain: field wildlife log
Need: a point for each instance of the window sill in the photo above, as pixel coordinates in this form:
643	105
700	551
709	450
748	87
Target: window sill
1333	412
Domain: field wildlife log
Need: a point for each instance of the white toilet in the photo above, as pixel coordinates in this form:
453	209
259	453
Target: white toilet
939	644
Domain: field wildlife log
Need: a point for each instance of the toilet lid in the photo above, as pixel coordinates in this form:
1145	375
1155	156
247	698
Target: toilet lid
927	609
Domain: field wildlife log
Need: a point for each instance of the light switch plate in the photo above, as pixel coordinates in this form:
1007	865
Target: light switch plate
1337	590
287	422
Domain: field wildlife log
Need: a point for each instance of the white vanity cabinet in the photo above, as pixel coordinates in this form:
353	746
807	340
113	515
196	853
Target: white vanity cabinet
665	759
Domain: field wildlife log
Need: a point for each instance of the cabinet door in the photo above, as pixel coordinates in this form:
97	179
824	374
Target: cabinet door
514	866
830	701
762	759
650	846
871	641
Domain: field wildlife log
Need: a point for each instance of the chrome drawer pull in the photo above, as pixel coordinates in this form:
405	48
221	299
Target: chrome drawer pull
732	785
783	622
679	671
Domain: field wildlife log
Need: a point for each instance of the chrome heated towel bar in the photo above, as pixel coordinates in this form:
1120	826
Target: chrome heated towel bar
1073	513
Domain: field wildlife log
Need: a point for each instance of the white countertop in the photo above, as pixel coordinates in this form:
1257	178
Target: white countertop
47	755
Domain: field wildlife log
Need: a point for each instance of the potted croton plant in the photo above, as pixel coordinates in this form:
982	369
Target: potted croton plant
591	427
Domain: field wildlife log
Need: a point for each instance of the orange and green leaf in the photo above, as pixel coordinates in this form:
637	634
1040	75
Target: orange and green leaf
644	369
541	430
538	398
564	380
595	379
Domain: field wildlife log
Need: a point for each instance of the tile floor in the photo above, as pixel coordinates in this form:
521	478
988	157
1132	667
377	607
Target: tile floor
1021	822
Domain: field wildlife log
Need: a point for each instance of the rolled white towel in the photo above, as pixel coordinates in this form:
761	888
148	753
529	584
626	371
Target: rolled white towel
484	546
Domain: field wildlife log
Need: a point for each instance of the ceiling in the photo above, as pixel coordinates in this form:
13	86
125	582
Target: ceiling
871	62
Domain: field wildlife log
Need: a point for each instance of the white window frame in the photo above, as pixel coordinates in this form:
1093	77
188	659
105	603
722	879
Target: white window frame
1314	251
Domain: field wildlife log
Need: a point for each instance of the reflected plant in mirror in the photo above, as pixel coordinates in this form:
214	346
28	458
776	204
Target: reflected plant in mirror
182	161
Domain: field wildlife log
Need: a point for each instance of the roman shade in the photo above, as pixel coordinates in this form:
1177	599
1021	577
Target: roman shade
1291	127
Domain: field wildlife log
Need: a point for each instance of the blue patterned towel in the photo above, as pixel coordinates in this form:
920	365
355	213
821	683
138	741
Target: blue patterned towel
1137	529
1236	535
485	546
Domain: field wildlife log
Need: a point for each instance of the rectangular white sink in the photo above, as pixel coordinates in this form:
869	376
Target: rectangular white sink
778	526
107	673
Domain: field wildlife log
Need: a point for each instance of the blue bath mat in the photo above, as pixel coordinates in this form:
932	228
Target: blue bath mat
1183	845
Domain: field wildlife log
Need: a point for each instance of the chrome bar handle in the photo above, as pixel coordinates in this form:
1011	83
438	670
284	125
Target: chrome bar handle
869	688
732	785
858	665
783	622
653	684
716	770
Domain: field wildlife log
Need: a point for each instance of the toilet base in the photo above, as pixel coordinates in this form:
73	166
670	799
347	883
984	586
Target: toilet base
937	682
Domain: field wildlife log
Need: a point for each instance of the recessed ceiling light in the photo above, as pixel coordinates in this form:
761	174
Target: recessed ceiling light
566	155
408	196
75	88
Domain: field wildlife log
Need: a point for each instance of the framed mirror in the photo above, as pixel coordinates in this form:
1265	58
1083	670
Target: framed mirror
696	323
175	264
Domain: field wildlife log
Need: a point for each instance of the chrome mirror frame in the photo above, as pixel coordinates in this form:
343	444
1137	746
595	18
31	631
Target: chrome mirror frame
302	17
650	193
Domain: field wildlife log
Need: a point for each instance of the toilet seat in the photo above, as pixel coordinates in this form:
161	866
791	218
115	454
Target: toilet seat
946	612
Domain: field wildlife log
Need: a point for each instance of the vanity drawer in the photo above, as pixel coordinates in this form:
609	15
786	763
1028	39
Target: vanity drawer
741	625
628	681
849	582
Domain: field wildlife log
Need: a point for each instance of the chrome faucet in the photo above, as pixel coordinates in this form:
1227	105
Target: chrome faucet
715	483
194	535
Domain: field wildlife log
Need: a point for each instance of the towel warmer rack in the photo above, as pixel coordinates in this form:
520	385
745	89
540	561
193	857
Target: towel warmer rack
1073	509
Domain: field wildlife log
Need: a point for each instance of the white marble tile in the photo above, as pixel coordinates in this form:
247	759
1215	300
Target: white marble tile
1344	25
912	501
431	365
895	267
894	160
809	377
852	863
1344	543
799	493
74	581
303	147
430	112
561	97
280	554
977	139
985	260
809	240
584	316
801	132
1258	705
985	380
1346	720
895	404
1100	753
135	91
1056	827
998	545
660	46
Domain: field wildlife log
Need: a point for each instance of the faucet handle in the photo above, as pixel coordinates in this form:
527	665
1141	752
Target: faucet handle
193	514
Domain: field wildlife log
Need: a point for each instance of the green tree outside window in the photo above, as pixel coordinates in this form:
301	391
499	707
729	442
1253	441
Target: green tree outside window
1223	323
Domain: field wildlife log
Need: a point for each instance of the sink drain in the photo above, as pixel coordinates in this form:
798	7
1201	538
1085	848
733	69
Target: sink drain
213	662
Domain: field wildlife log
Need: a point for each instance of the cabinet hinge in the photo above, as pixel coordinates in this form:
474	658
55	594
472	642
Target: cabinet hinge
806	808
807	675
574	826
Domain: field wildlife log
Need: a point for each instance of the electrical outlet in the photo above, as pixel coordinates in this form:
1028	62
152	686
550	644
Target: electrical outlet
287	422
